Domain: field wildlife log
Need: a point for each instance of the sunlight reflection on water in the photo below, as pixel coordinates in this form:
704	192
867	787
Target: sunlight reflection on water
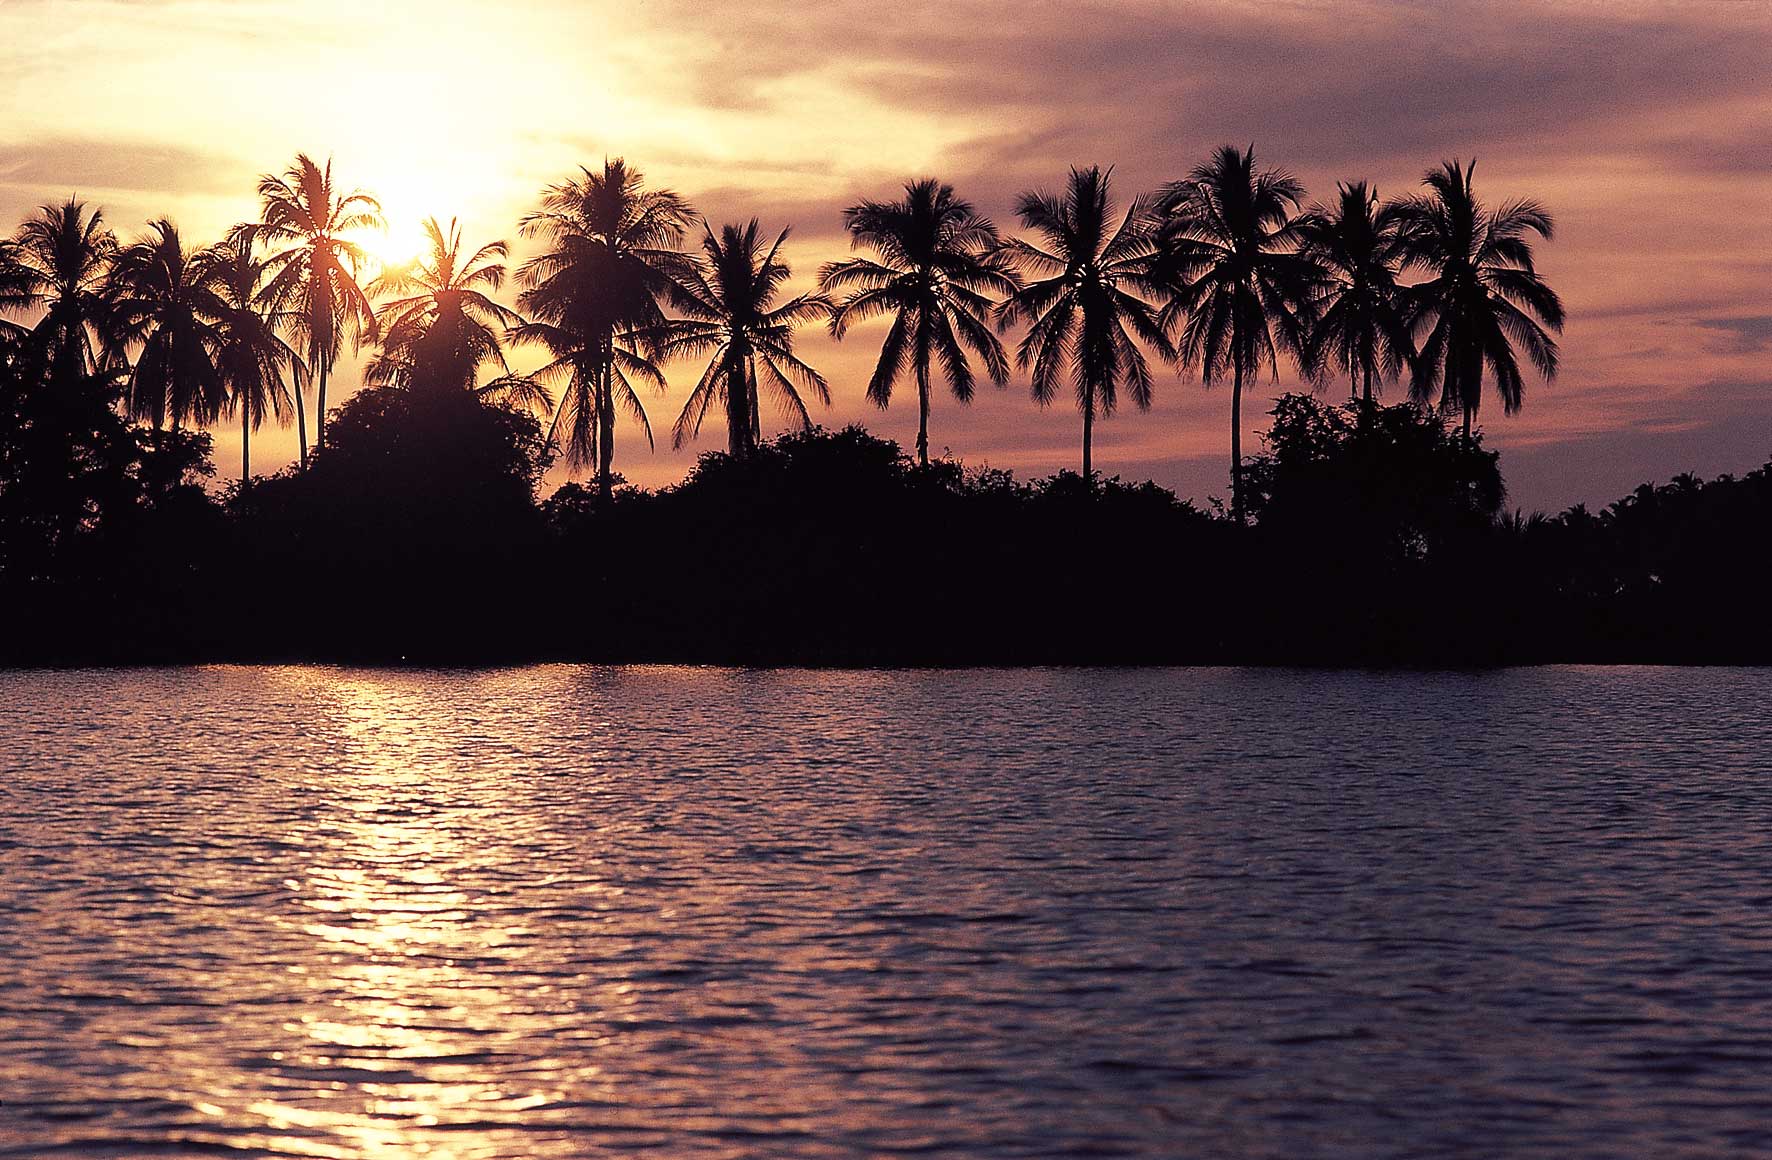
546	912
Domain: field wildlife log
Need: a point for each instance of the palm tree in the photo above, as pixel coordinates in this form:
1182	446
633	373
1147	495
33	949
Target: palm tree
1230	239
1483	297
18	292
445	325
313	278
18	284
62	254
161	301
249	353
1083	300
1361	326
937	260
729	300
611	256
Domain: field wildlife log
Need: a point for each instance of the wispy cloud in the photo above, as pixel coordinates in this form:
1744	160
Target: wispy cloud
1748	334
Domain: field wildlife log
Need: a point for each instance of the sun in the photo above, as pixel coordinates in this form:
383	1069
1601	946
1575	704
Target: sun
403	240
401	244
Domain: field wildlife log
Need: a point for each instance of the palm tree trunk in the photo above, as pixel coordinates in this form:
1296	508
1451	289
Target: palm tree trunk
245	449
1237	444
605	434
1088	436
320	412
923	415
1467	425
738	418
1368	392
301	429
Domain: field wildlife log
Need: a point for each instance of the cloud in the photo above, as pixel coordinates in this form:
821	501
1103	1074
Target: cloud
88	163
1745	335
1324	84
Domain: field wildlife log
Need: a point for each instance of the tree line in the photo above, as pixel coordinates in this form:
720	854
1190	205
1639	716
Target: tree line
1224	273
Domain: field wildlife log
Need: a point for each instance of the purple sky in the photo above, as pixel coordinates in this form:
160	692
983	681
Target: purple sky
1646	128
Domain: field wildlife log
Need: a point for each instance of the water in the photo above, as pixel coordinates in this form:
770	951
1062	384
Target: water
562	912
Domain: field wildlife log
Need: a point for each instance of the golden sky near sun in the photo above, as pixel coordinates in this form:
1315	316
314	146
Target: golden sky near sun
1643	126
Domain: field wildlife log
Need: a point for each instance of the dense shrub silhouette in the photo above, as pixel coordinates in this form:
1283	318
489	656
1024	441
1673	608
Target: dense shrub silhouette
412	535
1376	539
833	546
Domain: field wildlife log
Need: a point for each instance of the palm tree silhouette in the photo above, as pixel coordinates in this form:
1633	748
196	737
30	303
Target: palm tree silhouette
313	277
1082	301
729	302
162	303
18	293
937	260
249	353
1229	243
611	256
1483	299
1361	326
62	254
444	325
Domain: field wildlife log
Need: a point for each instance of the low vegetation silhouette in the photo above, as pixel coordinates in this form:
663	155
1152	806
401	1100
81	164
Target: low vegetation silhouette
411	528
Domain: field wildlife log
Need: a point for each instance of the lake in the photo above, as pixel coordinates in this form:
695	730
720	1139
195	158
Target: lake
560	911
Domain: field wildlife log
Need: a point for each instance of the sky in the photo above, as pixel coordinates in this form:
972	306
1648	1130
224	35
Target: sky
1646	128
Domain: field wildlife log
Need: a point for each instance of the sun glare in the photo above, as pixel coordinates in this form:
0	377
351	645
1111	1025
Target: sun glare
401	244
405	204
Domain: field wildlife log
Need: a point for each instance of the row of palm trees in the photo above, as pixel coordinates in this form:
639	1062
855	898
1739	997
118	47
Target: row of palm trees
1223	273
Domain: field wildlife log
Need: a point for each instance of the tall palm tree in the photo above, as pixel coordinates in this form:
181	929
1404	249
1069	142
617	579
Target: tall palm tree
1087	298
443	324
313	270
249	353
937	261
1483	297
62	255
611	255
1361	326
162	302
729	300
1230	238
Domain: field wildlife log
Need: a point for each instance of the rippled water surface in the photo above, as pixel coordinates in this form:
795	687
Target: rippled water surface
561	912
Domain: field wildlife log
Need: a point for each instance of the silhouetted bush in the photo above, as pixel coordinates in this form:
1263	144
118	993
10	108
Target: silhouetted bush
414	536
1677	572
826	547
105	529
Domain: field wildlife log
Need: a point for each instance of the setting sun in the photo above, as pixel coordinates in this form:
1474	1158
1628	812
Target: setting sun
406	202
401	243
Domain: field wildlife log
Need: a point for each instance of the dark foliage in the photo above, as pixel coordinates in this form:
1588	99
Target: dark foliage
1677	572
832	547
1375	539
1371	525
105	528
415	524
1374	486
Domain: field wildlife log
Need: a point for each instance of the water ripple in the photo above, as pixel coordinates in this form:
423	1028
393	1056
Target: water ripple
553	912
